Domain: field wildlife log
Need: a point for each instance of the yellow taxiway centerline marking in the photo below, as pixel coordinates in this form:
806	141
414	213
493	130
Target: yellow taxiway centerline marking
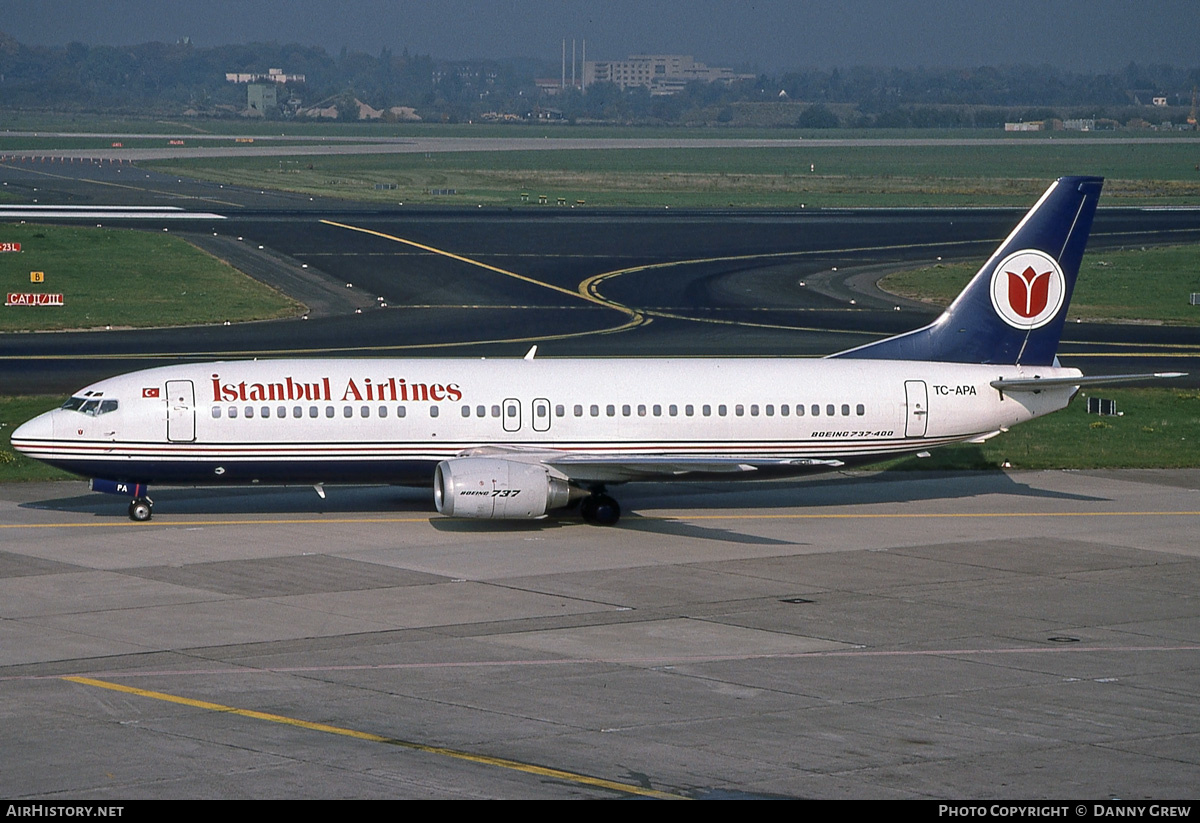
486	760
636	318
663	518
590	288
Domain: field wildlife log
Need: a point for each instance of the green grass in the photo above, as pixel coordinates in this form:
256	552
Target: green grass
1159	428
898	176
1130	285
117	277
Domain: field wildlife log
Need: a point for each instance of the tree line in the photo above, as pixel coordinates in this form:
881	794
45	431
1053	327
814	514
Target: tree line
171	78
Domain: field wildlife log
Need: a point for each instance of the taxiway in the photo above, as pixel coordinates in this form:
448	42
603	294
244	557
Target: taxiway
984	635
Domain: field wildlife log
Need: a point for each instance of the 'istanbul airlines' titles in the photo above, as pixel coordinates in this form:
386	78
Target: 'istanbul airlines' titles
323	388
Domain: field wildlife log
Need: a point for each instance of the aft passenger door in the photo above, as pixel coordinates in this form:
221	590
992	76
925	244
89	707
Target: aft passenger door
916	397
181	411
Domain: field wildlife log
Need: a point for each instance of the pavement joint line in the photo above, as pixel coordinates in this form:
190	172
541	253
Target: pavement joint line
658	660
662	519
456	754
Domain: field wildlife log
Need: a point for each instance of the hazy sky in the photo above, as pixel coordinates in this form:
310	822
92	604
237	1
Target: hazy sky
771	35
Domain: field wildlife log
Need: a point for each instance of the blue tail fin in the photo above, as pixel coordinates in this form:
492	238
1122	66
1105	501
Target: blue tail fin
1013	310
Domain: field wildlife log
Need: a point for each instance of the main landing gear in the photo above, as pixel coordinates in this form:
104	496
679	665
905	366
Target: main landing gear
599	509
141	509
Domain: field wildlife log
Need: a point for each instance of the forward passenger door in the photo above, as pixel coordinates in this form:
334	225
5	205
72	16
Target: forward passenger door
181	411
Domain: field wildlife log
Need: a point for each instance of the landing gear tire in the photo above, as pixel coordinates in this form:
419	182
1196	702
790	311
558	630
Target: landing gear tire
141	510
600	510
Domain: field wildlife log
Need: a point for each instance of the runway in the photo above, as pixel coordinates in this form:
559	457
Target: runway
1019	636
210	146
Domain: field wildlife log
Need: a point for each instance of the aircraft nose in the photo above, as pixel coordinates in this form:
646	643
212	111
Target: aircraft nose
26	435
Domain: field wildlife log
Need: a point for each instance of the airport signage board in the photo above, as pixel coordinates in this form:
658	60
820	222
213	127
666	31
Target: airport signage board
19	299
10	247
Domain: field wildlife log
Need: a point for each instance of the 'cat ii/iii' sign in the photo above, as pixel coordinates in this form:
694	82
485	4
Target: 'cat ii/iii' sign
19	299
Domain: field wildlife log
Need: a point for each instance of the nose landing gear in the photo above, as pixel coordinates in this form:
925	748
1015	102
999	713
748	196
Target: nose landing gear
141	509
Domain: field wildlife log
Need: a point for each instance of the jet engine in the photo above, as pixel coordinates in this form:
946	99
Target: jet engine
494	488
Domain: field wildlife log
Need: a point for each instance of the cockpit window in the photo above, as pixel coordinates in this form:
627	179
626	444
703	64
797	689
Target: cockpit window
91	406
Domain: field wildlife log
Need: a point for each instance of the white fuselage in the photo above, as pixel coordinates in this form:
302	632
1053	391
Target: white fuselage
366	421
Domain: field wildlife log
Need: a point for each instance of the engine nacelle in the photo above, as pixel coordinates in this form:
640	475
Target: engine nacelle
495	488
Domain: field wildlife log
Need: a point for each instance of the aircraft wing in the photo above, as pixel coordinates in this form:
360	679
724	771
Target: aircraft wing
590	467
616	468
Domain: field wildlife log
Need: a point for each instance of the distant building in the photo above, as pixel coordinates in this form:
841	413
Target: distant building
662	74
262	99
272	76
1033	125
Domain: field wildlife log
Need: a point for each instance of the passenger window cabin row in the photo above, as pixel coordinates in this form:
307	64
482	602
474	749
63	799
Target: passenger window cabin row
705	410
298	412
541	410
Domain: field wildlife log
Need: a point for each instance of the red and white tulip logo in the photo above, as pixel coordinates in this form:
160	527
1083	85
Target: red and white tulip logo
1028	289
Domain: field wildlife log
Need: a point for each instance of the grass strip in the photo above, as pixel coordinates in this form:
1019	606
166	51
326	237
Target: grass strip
126	278
1147	285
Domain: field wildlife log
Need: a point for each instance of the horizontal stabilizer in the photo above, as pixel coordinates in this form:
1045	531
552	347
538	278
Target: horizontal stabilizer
1040	383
